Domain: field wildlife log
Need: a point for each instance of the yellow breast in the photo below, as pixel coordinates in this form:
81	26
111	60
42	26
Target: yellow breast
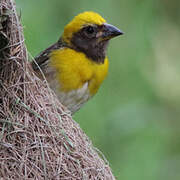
74	69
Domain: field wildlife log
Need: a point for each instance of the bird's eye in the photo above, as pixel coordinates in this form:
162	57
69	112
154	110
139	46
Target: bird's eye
90	30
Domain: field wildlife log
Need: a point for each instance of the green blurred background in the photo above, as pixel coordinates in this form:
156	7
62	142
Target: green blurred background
135	117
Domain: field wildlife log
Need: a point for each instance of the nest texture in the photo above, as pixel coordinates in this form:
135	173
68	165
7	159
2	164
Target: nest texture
38	138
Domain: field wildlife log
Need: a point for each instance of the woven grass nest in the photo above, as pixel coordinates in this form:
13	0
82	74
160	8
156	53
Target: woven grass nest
38	137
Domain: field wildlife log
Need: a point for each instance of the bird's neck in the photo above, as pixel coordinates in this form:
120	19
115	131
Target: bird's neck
95	52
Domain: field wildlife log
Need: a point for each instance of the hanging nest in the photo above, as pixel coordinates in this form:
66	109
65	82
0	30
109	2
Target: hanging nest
38	138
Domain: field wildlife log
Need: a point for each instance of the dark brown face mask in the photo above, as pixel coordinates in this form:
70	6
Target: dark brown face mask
93	40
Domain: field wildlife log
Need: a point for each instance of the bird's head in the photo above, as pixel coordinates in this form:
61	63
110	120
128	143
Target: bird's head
89	33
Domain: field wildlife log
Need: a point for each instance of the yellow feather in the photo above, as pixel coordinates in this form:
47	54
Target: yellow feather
79	21
74	69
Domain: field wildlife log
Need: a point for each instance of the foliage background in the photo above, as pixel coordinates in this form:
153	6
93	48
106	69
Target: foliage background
135	118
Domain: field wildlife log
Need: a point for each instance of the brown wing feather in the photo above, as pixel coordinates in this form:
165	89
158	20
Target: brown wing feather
43	58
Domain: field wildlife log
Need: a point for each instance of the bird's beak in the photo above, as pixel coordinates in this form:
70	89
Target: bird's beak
109	31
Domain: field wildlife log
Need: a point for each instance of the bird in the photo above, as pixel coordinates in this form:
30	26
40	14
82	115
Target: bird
77	64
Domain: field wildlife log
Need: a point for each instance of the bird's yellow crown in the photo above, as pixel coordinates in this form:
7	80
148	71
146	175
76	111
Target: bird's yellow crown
79	21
